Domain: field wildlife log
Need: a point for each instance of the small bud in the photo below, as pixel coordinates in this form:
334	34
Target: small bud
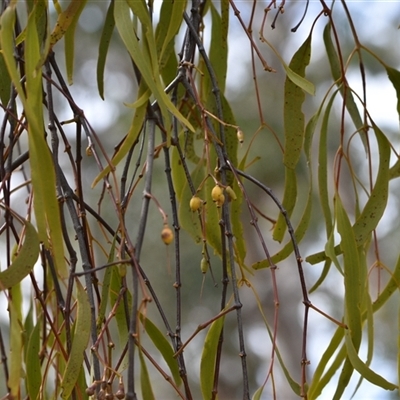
167	235
89	151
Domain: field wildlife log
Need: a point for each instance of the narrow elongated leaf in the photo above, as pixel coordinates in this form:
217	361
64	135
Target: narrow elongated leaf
374	208
218	53
352	298
24	261
108	29
64	20
292	110
145	60
347	94
120	315
79	343
363	369
377	201
163	346
289	201
207	363
15	356
318	382
32	362
145	382
69	47
174	23
134	131
46	205
394	76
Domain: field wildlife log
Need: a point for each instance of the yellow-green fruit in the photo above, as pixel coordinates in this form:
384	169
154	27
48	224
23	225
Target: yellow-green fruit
195	203
220	201
167	235
204	265
216	193
231	193
240	135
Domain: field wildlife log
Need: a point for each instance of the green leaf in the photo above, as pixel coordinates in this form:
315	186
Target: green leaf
25	259
391	287
45	201
174	19
292	110
145	60
301	82
15	355
120	315
70	40
377	201
134	130
352	297
394	76
373	210
363	369
163	346
218	52
145	382
79	343
207	363
347	95
64	20
320	380
288	203
32	362
105	39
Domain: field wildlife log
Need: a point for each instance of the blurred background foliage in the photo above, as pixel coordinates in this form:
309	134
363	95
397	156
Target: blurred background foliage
376	25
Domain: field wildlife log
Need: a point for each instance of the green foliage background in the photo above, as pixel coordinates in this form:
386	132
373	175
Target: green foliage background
101	299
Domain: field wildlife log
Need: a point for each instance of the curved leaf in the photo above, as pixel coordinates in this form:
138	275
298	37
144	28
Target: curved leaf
32	362
24	261
79	343
108	29
207	363
163	346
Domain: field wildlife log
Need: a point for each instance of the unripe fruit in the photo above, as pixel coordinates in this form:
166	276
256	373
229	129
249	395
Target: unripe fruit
216	193
195	203
167	235
220	201
231	193
204	265
240	135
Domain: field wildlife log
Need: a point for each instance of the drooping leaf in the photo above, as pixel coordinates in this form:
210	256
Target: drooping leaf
145	381
345	90
174	23
293	117
145	57
207	363
64	20
69	47
32	362
105	39
24	261
45	201
164	347
79	343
